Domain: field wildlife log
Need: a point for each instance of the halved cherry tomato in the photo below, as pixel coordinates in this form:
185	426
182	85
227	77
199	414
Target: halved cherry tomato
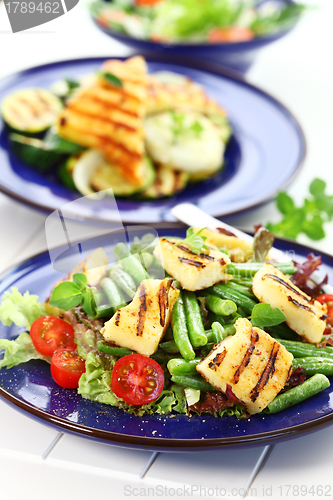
48	333
67	368
230	35
327	298
136	379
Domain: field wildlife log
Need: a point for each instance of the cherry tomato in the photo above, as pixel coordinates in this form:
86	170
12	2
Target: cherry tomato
136	379
48	333
327	298
141	3
230	35
67	368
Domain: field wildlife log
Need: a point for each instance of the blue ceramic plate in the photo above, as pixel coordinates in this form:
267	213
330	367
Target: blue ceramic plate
263	156
30	388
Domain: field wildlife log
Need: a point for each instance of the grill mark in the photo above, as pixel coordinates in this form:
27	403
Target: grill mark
266	374
163	300
103	119
142	311
105	140
216	362
247	356
191	262
29	106
117	320
286	285
110	107
289	373
290	299
201	255
42	101
121	91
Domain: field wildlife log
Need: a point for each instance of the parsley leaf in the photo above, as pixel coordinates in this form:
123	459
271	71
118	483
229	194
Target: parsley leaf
308	219
194	241
263	315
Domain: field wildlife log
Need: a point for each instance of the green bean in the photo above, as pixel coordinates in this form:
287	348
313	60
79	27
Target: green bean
195	382
104	311
179	366
220	306
170	347
216	318
309	388
245	290
220	291
130	264
283	331
314	365
113	350
123	280
218	331
194	323
114	295
99	297
227	330
303	350
121	251
145	258
179	328
250	268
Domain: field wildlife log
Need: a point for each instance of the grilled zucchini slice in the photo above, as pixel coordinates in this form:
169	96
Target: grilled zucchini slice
30	111
167	183
34	152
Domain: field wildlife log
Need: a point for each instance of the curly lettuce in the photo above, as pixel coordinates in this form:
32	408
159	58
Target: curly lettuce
19	351
22	310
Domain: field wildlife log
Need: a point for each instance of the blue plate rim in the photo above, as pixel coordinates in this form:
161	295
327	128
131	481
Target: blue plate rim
158	443
181	61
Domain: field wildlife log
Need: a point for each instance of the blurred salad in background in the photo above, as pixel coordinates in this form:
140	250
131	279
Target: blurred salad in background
193	21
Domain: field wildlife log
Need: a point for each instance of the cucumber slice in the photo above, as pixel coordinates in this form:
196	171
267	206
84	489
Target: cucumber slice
167	183
34	152
222	125
65	171
30	111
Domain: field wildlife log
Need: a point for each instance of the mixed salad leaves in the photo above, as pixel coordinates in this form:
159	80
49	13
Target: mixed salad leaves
158	366
196	21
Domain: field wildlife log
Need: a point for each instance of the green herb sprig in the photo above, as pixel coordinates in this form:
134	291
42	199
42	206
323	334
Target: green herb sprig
69	294
263	315
111	78
194	241
309	218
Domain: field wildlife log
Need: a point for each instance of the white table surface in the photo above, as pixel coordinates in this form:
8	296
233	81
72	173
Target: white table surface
39	462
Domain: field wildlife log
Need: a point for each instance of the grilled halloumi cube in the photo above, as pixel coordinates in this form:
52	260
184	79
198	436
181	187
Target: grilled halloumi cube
255	365
239	250
194	272
304	314
141	325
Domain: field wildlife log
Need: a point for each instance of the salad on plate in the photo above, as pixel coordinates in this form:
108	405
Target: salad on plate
142	135
205	324
196	21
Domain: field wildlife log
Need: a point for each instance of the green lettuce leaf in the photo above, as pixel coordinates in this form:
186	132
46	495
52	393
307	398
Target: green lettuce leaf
22	310
19	351
95	383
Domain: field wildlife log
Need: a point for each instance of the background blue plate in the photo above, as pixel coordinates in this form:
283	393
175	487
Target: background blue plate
263	156
30	388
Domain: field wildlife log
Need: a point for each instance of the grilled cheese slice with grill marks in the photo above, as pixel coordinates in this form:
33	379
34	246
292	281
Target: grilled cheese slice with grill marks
192	271
109	118
141	325
304	314
255	365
